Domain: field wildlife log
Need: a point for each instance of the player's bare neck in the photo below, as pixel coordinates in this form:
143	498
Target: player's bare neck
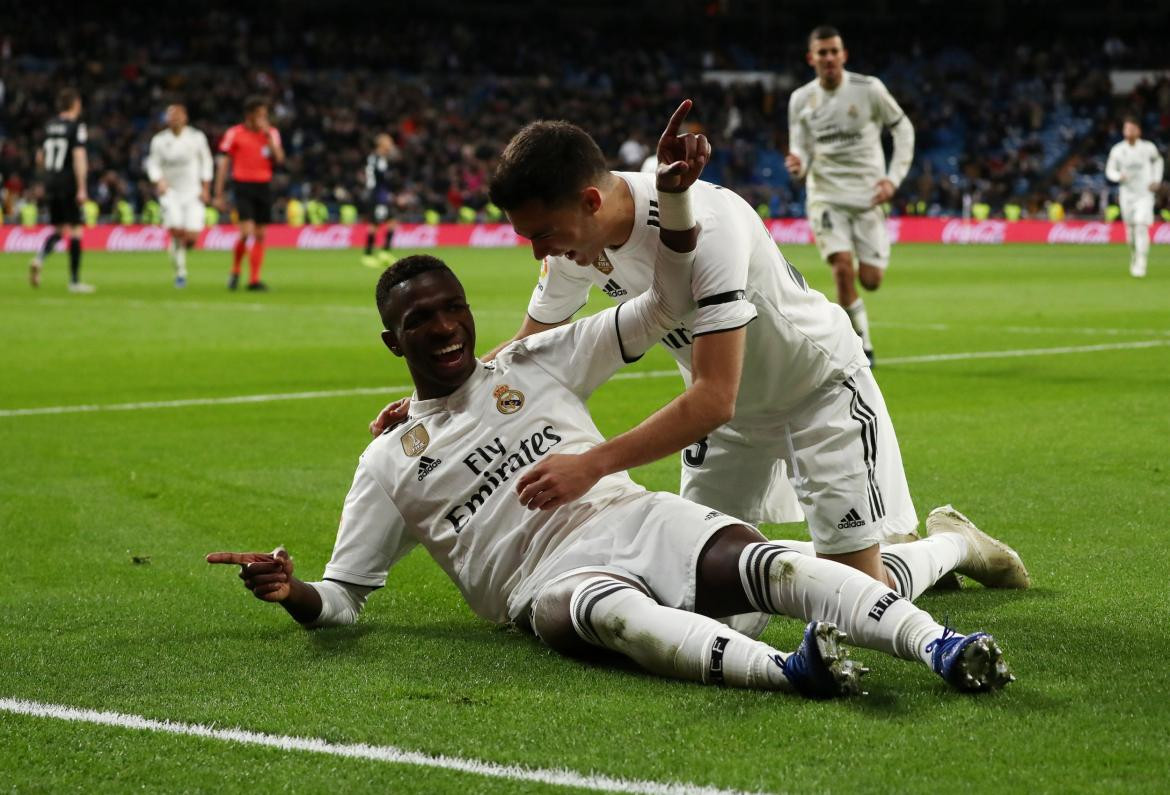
828	85
620	221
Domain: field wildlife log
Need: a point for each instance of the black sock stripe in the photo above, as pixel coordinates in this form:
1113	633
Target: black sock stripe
768	553
901	572
753	578
594	595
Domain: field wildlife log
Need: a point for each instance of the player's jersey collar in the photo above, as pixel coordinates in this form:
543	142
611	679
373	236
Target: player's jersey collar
457	400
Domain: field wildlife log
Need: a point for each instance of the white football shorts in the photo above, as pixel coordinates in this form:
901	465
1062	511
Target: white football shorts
653	538
1138	212
181	212
861	231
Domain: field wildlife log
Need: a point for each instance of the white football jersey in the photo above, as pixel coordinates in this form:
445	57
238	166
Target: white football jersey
446	477
1139	163
796	339
837	136
183	160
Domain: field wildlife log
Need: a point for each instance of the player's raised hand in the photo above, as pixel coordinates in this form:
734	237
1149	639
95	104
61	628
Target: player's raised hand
390	416
681	158
555	481
268	575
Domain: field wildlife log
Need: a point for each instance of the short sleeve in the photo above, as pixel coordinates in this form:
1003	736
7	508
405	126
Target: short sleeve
719	281
81	137
227	143
560	292
372	535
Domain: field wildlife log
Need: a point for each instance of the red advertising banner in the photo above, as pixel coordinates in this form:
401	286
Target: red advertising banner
787	231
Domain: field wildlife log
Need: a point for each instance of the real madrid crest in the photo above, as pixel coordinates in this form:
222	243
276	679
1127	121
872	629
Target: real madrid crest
508	400
415	440
603	264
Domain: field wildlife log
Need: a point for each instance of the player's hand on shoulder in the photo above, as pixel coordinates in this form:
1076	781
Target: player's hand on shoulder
681	157
268	575
556	481
390	416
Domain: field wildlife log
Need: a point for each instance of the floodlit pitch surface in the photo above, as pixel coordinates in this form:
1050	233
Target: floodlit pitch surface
1030	386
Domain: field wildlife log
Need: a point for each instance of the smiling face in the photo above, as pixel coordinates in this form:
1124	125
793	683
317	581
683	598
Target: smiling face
433	329
828	57
572	230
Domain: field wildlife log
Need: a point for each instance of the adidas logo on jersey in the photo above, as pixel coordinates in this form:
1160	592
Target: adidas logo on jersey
613	289
426	466
851	519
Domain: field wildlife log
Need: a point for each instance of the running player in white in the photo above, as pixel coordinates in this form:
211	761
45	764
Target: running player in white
1136	165
180	166
642	574
834	134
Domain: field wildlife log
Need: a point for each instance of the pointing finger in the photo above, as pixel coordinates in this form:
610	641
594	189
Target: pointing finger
238	558
677	118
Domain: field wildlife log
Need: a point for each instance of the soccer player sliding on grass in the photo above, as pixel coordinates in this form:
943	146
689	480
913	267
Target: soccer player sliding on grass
640	573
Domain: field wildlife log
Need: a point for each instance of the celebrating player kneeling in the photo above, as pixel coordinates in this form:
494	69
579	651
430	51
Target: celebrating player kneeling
640	573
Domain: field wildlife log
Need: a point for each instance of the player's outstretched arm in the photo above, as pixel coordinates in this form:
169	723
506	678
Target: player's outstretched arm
269	576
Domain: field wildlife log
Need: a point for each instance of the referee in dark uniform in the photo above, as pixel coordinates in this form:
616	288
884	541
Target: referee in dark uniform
62	160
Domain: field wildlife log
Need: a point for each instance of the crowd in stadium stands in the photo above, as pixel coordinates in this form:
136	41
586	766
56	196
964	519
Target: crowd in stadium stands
1023	131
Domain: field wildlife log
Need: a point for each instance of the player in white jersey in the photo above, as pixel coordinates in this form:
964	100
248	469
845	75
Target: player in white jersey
180	166
834	133
1136	165
619	569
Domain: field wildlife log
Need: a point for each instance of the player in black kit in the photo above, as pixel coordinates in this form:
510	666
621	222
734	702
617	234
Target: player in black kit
62	159
377	208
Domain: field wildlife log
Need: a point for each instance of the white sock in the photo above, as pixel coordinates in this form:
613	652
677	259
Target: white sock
180	259
860	320
916	566
779	580
1141	246
615	615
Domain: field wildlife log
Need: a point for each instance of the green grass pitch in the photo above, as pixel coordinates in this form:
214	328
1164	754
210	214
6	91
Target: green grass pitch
1063	455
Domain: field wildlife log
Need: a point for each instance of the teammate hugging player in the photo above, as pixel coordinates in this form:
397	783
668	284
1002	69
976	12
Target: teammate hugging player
179	165
834	133
378	203
1137	166
253	148
620	569
63	160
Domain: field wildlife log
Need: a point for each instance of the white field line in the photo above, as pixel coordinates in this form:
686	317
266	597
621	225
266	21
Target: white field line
372	315
559	777
642	374
1085	330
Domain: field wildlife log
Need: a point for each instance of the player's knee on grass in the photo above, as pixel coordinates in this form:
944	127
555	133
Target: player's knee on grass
870	276
551	620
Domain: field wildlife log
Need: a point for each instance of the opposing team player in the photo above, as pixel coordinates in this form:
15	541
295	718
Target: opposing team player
1136	165
63	161
834	132
253	148
622	569
179	165
377	207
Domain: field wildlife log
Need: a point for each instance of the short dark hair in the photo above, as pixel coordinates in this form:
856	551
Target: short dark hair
549	161
823	32
404	270
255	102
66	97
1132	118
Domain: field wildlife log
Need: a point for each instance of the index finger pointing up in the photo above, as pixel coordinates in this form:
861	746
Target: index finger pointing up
677	118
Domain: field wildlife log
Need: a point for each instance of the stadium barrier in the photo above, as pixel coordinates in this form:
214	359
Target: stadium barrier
788	231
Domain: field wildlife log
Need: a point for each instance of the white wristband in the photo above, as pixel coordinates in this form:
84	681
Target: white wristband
674	211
